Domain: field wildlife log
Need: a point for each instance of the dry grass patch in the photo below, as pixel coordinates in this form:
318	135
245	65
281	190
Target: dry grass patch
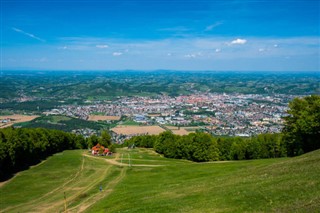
103	118
182	130
138	130
16	119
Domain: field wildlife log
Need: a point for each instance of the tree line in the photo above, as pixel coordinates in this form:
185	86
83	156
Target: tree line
202	147
23	147
300	134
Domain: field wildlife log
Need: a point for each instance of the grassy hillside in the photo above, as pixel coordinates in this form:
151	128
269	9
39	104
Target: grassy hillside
156	184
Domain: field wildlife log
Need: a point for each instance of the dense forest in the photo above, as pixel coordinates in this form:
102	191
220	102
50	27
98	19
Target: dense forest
20	148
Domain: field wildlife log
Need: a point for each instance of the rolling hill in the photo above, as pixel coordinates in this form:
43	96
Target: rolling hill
140	180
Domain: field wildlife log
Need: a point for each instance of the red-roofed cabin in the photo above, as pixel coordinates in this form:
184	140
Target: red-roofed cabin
96	149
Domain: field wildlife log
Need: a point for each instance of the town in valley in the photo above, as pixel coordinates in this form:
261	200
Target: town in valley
127	104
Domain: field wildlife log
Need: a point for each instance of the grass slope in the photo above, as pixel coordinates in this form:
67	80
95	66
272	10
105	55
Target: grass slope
157	184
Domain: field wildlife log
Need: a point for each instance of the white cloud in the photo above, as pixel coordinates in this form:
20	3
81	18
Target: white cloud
102	46
238	41
28	34
117	53
185	53
190	50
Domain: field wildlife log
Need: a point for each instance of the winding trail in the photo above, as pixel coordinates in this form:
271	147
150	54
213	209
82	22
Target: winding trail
82	189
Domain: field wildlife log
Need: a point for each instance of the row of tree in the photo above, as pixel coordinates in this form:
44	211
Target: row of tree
201	147
22	147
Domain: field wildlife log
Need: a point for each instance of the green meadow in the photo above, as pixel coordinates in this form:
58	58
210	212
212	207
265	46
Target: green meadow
140	180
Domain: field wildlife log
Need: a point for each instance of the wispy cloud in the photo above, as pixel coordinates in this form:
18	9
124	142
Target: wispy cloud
212	26
178	53
28	34
117	53
102	46
190	56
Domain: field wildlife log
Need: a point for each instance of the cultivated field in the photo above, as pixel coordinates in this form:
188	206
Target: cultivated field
182	130
16	119
140	180
103	118
138	130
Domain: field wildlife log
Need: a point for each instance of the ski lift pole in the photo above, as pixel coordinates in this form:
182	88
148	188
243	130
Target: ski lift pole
65	202
129	160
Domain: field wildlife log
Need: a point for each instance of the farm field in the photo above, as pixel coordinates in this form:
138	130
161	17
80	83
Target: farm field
140	180
103	118
134	130
16	119
182	130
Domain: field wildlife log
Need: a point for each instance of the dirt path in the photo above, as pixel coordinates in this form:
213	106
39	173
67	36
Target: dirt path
79	187
116	163
100	195
58	206
94	199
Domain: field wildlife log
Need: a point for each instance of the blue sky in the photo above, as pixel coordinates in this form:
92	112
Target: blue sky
258	35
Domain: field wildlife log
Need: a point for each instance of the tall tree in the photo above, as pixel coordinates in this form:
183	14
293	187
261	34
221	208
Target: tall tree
92	141
302	126
105	139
